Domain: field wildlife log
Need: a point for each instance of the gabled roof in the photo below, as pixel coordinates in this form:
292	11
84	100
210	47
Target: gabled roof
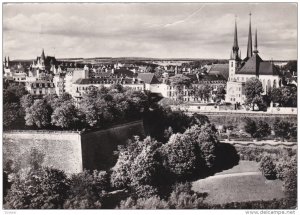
148	78
219	69
255	65
251	66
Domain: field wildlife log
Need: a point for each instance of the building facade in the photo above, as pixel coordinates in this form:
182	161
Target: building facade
252	66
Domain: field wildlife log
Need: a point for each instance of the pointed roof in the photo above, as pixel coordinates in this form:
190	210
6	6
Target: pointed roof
256	66
43	55
251	66
249	47
235	40
255	42
148	78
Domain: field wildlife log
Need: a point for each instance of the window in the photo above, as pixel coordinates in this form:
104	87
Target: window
231	64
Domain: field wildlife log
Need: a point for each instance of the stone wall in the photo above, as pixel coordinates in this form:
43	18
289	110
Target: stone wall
71	151
62	150
98	146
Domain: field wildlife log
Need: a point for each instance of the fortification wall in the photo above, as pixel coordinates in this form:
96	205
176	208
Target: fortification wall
98	146
70	151
62	150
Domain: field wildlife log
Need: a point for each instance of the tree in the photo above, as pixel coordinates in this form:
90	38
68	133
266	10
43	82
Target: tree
138	167
283	129
180	156
262	129
289	96
220	94
45	188
203	92
26	101
205	138
253	91
250	127
10	115
276	96
87	190
39	114
65	116
268	167
180	82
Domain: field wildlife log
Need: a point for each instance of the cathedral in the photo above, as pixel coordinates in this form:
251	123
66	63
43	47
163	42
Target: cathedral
240	70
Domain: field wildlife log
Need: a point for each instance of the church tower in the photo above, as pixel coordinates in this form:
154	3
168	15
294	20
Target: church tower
43	58
249	47
235	55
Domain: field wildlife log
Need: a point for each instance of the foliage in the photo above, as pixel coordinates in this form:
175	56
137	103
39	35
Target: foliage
66	116
101	107
87	190
180	156
286	96
250	126
220	94
257	130
205	139
284	129
138	167
44	188
182	197
253	91
39	114
263	129
268	167
202	92
10	114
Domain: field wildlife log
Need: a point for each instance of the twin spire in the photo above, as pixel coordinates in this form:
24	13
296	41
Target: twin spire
235	47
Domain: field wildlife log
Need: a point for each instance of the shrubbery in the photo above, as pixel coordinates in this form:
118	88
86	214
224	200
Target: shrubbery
268	167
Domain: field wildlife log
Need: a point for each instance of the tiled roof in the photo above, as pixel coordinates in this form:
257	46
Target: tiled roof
255	65
219	69
148	78
106	81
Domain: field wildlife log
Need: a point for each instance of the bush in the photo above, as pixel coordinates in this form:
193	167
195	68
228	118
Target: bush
45	188
181	156
139	167
87	190
268	167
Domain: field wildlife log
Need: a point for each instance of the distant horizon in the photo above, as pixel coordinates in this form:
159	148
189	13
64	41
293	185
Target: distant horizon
151	30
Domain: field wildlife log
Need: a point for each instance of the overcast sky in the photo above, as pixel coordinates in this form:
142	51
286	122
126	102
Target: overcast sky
167	30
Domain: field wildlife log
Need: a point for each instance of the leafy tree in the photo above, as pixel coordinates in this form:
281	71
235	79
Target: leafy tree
253	91
138	167
180	156
263	129
65	116
268	167
39	114
87	190
220	94
289	96
276	96
26	101
45	188
10	114
13	93
283	129
180	82
205	138
203	92
250	127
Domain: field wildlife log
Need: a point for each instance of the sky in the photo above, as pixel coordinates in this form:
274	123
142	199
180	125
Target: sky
160	30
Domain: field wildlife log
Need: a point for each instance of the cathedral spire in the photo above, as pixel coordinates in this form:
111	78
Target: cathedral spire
255	43
235	48
43	55
249	47
235	42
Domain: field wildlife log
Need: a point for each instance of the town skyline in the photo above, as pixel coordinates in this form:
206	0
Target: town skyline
155	30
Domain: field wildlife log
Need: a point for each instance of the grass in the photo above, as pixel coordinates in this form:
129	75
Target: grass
242	183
